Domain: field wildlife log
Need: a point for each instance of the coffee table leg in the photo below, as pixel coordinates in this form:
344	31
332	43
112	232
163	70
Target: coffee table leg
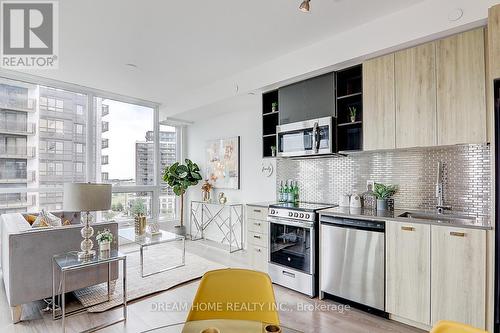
125	288
109	281
142	261
63	301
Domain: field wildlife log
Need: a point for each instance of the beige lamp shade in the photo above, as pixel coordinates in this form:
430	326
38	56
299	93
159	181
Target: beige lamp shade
86	197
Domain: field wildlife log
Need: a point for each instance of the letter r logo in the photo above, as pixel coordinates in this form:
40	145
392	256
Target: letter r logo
28	28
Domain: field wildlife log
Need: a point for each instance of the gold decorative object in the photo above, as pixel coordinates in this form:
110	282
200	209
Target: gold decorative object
206	190
222	198
140	224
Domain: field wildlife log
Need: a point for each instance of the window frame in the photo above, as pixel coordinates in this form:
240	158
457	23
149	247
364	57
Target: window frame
89	127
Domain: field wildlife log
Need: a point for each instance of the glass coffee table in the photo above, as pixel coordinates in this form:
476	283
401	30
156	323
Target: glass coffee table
148	240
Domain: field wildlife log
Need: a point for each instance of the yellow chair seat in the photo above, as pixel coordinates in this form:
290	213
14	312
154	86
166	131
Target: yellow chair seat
237	294
445	326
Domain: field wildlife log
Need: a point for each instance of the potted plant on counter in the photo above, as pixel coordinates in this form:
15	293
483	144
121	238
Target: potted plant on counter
382	193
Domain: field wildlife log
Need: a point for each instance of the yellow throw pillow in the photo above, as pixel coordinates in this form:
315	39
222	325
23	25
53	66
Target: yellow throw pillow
30	218
67	222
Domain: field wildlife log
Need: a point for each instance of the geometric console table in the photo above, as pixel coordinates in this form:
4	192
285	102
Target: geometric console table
222	223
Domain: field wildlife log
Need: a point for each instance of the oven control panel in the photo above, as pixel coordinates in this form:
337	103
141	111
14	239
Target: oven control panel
291	214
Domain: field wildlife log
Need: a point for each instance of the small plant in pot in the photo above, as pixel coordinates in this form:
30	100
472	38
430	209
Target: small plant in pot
104	238
382	193
352	113
274	107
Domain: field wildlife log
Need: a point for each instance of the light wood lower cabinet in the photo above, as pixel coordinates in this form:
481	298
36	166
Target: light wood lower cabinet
436	273
408	270
458	275
257	237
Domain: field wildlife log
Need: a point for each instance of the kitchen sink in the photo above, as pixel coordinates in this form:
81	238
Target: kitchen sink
443	218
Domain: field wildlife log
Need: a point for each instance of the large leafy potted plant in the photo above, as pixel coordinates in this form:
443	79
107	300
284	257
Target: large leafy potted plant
180	177
382	193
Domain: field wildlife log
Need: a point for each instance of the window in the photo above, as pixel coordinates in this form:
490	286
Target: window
79	148
128	149
79	110
79	129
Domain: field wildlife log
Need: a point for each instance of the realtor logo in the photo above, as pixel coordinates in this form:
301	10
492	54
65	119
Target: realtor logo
29	33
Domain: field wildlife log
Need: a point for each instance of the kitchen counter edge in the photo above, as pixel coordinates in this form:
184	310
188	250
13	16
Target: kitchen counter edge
483	223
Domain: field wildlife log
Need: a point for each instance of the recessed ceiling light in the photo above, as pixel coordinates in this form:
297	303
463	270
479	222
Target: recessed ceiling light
130	65
304	6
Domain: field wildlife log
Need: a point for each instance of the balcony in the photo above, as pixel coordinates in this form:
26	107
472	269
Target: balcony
17	176
18	152
105	126
104	143
17	200
19	104
17	128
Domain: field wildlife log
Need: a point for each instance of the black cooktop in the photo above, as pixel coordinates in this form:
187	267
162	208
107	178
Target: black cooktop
302	206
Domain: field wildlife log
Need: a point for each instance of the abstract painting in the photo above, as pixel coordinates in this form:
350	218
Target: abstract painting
223	163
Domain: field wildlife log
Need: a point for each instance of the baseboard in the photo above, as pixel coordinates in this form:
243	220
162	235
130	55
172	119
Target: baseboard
410	322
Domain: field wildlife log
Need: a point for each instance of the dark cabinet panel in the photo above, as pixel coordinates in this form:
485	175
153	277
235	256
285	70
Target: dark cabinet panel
309	99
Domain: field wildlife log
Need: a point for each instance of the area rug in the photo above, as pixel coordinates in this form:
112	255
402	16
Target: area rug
156	257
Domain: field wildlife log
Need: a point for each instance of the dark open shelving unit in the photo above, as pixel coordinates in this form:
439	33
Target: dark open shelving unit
349	93
270	120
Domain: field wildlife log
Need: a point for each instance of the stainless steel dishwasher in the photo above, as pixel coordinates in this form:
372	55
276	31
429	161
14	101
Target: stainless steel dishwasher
352	260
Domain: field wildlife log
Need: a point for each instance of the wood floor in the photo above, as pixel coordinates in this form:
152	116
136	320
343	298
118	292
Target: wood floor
147	313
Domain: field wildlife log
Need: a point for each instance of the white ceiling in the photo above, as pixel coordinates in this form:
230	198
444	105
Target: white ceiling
185	45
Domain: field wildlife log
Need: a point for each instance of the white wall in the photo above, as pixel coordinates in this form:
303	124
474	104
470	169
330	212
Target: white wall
239	116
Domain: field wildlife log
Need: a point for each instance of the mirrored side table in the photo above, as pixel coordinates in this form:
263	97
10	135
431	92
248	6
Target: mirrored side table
69	262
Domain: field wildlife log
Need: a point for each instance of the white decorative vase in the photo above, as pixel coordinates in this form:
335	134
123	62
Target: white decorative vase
104	246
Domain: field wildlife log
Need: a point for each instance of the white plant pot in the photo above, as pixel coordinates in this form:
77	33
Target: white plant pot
104	246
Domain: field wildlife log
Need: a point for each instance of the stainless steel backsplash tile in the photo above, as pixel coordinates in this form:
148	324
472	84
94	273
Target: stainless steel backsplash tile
466	173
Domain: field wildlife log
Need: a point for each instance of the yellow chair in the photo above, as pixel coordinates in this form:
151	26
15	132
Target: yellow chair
445	326
238	294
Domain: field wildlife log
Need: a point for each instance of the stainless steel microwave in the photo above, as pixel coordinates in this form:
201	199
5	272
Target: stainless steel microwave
306	138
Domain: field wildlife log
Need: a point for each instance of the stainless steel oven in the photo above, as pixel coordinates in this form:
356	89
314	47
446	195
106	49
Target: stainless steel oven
311	137
292	254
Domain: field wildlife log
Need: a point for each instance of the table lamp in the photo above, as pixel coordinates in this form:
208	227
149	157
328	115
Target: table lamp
86	197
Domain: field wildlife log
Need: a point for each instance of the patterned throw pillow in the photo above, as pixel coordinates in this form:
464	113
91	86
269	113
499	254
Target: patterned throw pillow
46	219
30	218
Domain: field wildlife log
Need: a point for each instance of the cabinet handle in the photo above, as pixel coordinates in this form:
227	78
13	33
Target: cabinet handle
258	250
404	228
457	234
257	211
256	236
257	224
285	273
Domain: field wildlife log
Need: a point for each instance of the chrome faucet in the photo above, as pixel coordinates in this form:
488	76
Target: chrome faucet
439	190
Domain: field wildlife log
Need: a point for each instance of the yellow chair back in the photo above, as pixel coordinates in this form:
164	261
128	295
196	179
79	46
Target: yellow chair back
445	326
237	294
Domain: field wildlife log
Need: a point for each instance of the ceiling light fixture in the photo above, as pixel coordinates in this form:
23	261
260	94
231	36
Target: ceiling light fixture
304	6
132	66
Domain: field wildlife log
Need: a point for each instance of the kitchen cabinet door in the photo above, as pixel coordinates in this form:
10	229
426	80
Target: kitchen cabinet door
461	95
379	111
408	271
415	80
458	275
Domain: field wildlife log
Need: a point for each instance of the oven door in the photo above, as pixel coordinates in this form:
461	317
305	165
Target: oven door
291	244
312	137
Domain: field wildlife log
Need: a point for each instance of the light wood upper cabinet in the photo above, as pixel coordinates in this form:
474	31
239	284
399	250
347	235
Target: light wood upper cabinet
415	83
458	275
408	270
379	117
461	96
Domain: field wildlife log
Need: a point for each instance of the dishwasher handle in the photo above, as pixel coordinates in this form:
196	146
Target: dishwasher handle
359	224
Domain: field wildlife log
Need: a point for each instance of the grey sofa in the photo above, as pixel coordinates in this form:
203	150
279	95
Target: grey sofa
27	260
